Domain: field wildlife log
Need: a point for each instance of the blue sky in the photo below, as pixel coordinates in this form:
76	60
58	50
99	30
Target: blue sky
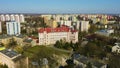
59	6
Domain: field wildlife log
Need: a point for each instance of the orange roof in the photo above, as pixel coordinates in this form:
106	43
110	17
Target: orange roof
59	29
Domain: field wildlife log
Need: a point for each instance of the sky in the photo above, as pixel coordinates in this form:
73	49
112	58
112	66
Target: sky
59	6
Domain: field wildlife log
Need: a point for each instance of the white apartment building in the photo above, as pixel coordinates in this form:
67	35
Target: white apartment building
2	17
51	35
17	19
13	28
78	25
22	18
67	23
7	17
12	17
84	25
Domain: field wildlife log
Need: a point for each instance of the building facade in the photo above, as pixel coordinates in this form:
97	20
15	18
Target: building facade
2	17
17	18
51	35
84	25
13	28
12	59
22	18
13	17
7	17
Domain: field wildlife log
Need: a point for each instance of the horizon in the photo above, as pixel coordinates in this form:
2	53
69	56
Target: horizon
65	13
60	6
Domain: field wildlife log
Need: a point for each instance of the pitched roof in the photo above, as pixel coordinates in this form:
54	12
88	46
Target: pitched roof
59	29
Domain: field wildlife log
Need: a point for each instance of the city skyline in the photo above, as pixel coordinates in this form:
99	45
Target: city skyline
60	6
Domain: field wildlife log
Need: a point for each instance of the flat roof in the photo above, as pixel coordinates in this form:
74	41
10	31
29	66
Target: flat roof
9	53
8	36
4	36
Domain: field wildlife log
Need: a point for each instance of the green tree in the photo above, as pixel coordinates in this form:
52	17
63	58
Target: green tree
114	61
57	44
89	65
90	50
92	28
3	66
67	46
12	43
70	64
81	35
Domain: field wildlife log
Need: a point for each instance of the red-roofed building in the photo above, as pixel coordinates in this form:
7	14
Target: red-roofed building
51	35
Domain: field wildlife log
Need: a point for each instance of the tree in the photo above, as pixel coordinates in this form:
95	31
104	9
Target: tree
92	28
89	65
3	66
90	49
70	64
12	43
19	49
114	61
81	35
57	44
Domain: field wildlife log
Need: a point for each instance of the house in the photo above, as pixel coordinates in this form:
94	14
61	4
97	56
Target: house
116	48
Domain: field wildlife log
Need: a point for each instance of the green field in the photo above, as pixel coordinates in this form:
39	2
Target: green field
43	52
53	55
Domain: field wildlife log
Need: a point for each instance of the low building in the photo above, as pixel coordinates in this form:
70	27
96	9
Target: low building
5	39
12	59
19	39
51	35
116	48
105	32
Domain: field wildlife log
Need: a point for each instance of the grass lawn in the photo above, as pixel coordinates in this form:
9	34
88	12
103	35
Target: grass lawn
43	52
2	48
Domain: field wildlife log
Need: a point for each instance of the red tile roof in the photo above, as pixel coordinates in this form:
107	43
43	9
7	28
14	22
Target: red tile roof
59	29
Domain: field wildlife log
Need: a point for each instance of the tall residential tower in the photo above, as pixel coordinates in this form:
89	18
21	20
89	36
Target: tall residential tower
13	28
